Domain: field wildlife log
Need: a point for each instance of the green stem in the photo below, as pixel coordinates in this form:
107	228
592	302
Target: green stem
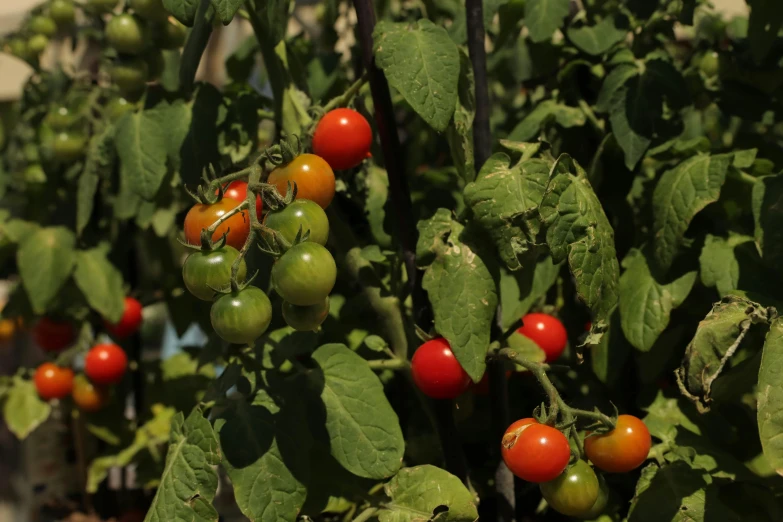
388	364
206	233
367	514
591	117
222	180
271	61
348	95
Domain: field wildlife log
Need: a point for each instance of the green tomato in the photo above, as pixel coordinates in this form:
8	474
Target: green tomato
241	317
709	64
68	146
204	271
305	318
130	75
574	492
43	25
152	10
171	34
61	118
34	174
117	107
305	274
37	44
63	13
301	213
127	34
101	6
600	503
155	63
18	47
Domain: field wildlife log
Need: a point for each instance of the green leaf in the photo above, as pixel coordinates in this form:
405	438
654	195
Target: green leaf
460	132
189	481
666	416
182	10
578	231
680	194
99	164
599	38
767	203
719	264
632	114
432	232
422	63
274	16
464	298
646	304
613	82
766	19
23	410
364	432
174	120
502	199
377	195
565	116
45	260
521	289
427	493
226	9
141	146
543	17
608	357
101	283
770	396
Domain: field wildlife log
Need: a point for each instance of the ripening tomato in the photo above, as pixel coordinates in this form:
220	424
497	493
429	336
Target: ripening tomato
575	492
241	317
621	450
87	396
52	381
63	13
547	332
202	216
152	10
305	318
535	452
305	274
127	34
206	270
304	214
600	503
105	364
51	335
313	176
237	190
343	138
8	328
437	372
129	322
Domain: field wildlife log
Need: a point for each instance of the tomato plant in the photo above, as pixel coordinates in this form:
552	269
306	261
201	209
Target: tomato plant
573	493
436	371
52	381
130	321
63	13
547	332
87	396
621	450
535	452
343	138
236	227
105	364
305	274
237	190
130	74
313	176
241	317
127	34
206	271
305	318
53	335
301	214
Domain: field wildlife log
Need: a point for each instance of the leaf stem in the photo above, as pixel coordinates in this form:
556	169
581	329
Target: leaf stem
367	514
482	139
271	61
348	95
206	233
388	364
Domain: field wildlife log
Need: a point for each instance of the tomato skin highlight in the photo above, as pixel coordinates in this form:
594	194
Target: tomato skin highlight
88	397
301	213
621	450
343	138
437	372
52	381
535	452
205	270
237	190
53	336
241	317
202	216
313	176
305	274
129	322
305	318
573	493
105	364
547	332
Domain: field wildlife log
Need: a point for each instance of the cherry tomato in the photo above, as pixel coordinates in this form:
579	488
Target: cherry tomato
130	75
709	64
535	452
127	34
203	216
63	13
547	332
343	138
301	213
237	190
53	336
88	397
9	328
43	25
129	322
313	176
305	318
101	6
241	317
205	270
61	118
52	381
18	47
68	147
305	274
150	9
621	450
37	44
119	106
575	492
105	364
436	371
600	503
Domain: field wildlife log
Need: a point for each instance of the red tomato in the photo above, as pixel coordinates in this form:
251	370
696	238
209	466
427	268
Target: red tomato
343	138
436	371
535	452
52	381
129	322
313	176
621	450
203	216
52	335
105	364
87	396
547	332
237	190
